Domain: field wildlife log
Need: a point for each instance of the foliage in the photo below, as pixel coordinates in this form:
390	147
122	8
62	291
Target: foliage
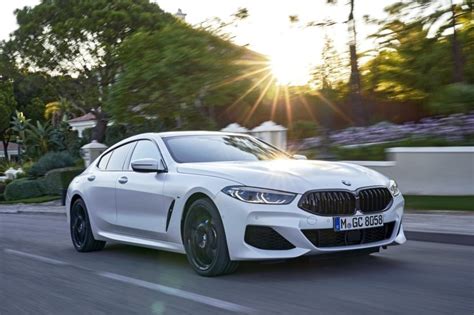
7	106
59	179
331	71
2	188
175	75
303	129
6	164
24	188
81	39
19	124
57	111
118	132
63	138
453	98
49	161
37	138
462	203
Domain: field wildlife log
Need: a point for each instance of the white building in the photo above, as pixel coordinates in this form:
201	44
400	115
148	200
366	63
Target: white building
82	123
12	151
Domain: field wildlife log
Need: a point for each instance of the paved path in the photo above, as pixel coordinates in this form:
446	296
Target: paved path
40	273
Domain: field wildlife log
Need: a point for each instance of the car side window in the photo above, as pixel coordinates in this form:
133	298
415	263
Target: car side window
119	155
145	149
103	161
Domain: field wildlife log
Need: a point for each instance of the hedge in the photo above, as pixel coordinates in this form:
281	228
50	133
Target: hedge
50	161
58	179
24	188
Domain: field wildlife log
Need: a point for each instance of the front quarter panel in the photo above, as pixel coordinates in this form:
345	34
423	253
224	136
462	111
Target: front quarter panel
181	187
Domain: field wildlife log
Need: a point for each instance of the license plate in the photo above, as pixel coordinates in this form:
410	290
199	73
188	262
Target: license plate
357	222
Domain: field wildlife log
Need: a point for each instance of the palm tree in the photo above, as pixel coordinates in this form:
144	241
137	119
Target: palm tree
37	137
56	111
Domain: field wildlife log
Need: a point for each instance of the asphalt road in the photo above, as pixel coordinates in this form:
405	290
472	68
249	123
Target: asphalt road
40	273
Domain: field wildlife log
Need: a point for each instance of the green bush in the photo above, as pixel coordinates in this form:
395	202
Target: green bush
2	187
24	188
6	164
59	179
303	129
453	98
50	161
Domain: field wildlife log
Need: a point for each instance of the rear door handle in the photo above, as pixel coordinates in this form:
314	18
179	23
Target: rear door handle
91	178
123	180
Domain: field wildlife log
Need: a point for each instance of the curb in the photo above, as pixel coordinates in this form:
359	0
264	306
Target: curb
445	238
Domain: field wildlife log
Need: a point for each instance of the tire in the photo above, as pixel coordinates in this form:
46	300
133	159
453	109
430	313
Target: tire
204	240
81	231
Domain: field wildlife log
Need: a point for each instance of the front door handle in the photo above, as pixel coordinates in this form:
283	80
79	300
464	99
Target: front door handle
123	180
91	178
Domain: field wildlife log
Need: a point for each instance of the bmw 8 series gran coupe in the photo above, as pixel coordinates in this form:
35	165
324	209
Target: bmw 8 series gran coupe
221	198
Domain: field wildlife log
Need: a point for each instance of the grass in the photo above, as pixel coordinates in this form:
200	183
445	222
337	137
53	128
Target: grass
31	200
439	202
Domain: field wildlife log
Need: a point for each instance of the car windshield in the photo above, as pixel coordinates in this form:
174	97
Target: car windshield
219	148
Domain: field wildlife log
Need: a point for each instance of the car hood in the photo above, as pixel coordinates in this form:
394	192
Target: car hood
289	175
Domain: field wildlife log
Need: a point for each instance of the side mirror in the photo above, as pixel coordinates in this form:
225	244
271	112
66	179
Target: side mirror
299	157
148	166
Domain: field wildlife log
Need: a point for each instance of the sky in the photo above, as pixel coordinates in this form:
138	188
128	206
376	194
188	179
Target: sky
292	49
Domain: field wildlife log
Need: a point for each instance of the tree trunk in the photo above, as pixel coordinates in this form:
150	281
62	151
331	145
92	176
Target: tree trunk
98	133
5	148
458	60
354	81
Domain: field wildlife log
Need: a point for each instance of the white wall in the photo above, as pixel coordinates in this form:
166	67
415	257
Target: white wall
429	170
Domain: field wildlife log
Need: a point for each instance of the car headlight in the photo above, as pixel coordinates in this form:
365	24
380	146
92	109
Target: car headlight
259	195
393	187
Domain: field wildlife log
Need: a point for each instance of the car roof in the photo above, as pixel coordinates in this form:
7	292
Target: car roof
170	134
194	133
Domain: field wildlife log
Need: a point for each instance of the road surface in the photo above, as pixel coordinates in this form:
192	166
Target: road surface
41	273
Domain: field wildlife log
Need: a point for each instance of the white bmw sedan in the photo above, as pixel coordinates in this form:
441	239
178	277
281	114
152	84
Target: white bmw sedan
222	198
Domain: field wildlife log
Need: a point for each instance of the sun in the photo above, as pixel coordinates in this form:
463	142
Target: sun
288	68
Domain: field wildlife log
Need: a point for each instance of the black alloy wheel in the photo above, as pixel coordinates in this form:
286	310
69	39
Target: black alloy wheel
81	231
204	240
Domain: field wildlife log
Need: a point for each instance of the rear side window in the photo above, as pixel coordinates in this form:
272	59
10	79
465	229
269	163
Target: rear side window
119	156
104	160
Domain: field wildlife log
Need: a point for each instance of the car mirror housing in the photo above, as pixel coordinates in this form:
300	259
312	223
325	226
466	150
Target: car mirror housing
148	166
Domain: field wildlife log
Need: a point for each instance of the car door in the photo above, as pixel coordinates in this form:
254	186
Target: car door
102	188
140	202
100	192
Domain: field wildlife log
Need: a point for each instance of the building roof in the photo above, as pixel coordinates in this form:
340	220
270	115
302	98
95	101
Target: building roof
12	146
86	117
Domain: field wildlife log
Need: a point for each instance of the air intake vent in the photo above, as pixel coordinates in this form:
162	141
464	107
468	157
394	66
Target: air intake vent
265	237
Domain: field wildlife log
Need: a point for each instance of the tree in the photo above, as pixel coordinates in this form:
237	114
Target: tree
56	111
174	76
81	39
331	71
409	66
438	17
354	81
7	107
355	87
38	138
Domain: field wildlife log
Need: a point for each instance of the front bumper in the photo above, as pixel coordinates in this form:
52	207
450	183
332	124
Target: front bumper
289	221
